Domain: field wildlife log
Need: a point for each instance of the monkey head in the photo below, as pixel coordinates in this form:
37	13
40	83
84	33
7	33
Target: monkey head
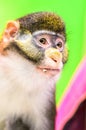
40	38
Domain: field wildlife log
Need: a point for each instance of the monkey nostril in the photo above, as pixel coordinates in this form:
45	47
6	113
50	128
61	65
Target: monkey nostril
55	60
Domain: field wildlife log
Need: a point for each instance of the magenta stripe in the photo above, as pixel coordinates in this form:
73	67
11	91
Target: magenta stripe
73	97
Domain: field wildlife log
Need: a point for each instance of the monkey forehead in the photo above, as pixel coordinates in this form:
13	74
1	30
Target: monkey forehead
42	21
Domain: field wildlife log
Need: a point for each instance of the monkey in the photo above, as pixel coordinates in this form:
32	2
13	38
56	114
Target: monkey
33	52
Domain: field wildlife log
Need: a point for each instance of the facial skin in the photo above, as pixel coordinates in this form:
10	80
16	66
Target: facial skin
32	54
52	45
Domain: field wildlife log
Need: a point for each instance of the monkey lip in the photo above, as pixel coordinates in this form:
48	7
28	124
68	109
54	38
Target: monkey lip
50	71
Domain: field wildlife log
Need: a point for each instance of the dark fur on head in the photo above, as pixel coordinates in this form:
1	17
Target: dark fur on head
42	21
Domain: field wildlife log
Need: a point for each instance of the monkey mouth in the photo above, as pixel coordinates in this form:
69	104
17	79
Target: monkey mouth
49	71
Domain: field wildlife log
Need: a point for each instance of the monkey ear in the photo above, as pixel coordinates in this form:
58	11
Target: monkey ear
10	31
9	34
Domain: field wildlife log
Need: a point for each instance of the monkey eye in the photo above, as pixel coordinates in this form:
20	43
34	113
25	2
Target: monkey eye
60	44
42	41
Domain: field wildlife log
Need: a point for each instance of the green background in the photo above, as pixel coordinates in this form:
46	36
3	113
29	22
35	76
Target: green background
73	13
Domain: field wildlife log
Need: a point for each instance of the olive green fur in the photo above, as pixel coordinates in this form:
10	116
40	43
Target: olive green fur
42	21
25	43
65	54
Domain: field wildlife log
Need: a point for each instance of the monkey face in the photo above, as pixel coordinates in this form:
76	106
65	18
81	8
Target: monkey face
43	48
52	46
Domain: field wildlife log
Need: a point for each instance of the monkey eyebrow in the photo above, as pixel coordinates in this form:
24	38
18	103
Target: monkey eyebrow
43	32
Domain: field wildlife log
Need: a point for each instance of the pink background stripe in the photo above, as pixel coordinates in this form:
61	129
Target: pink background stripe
75	95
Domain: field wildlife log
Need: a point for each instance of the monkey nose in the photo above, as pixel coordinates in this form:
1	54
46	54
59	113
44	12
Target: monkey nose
53	54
